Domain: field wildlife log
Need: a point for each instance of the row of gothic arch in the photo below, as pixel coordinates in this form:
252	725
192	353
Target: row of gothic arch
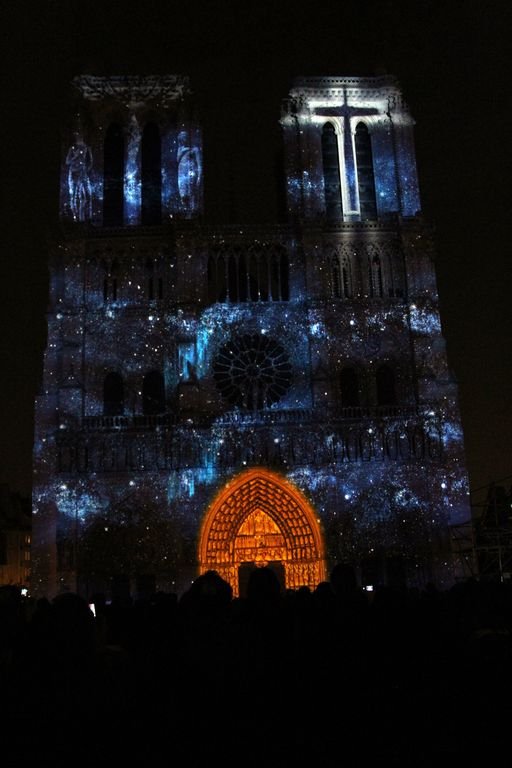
114	172
253	274
374	272
154	395
238	275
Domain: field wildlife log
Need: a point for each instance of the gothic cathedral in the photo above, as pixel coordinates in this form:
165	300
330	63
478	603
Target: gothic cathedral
225	397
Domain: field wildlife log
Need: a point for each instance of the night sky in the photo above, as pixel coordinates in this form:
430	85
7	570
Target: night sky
453	62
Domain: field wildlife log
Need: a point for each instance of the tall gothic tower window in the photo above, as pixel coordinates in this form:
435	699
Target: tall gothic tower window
386	389
113	395
153	393
365	178
151	177
331	165
113	192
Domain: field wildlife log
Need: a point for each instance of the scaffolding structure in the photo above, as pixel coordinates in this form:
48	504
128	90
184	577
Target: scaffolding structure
462	542
492	530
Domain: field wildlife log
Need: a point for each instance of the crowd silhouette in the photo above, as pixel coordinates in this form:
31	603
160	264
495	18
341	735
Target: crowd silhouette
328	677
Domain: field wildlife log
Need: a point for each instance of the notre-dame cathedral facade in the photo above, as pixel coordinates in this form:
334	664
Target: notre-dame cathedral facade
222	397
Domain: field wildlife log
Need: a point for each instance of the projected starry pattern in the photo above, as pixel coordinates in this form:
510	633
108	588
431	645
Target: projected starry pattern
252	371
249	369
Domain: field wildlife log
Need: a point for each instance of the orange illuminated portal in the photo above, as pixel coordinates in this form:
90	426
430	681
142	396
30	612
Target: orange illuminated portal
261	518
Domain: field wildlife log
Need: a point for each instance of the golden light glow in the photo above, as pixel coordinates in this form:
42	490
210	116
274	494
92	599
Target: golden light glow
259	517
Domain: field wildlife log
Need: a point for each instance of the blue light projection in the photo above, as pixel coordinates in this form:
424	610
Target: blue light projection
378	475
384	168
132	183
189	171
182	172
187	361
82	183
311	103
74	501
452	432
79	164
406	170
425	320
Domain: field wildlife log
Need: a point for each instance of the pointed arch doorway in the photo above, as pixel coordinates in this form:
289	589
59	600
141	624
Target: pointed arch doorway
258	519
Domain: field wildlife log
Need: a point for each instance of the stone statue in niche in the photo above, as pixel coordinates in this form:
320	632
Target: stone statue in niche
187	356
189	171
79	162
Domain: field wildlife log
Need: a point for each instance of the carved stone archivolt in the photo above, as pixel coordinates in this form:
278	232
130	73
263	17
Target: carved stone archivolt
133	89
261	518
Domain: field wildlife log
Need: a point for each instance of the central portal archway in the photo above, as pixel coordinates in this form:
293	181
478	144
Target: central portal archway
260	518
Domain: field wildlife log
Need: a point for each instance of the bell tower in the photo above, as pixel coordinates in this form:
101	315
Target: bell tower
133	152
349	150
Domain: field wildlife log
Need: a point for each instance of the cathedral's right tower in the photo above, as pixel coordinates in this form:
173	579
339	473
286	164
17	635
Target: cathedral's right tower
380	356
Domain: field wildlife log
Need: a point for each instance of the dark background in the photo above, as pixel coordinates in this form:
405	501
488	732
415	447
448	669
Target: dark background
453	62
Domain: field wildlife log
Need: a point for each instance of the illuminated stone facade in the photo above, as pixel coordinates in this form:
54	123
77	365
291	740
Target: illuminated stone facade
218	396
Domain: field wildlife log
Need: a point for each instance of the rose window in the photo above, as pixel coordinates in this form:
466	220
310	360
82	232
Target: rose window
252	371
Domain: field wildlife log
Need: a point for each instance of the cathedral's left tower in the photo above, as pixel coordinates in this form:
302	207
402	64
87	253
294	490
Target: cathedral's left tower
131	168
